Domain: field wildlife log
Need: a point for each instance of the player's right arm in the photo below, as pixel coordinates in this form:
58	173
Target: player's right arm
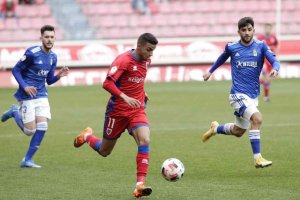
220	61
22	64
114	73
110	86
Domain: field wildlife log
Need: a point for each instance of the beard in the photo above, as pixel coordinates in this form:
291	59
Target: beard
247	39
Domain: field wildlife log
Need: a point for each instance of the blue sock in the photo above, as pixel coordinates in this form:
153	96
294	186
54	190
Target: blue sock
18	120
36	140
143	149
220	129
254	136
224	129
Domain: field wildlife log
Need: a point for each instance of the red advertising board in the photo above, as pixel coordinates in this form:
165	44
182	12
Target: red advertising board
168	73
102	53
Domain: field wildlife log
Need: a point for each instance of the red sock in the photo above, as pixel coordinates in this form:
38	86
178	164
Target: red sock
266	89
94	142
142	161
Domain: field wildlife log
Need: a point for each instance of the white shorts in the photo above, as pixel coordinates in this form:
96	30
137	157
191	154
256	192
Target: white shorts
35	107
244	108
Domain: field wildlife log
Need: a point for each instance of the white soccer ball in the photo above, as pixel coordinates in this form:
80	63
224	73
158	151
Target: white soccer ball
172	169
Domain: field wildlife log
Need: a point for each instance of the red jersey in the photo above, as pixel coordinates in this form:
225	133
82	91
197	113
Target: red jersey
129	76
271	41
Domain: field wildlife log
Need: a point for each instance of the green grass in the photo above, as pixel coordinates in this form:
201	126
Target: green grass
220	169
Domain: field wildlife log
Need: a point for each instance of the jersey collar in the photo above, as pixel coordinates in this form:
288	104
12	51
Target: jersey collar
133	55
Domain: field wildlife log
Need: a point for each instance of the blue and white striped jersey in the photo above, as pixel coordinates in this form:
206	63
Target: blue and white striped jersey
35	68
246	65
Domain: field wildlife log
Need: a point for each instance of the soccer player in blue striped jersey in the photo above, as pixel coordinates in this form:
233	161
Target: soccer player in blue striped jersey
34	69
247	58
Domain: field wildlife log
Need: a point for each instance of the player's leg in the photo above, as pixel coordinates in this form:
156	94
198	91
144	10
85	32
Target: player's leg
253	115
40	125
267	81
142	137
254	136
266	84
113	128
35	142
14	112
236	101
102	146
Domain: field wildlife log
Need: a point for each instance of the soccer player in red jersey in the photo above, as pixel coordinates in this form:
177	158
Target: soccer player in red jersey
126	108
272	42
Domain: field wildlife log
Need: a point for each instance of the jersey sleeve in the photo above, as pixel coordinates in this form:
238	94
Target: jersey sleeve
270	57
22	64
51	78
221	59
116	69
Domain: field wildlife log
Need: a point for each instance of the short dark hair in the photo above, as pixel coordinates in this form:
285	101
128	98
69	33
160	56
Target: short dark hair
47	28
245	21
147	37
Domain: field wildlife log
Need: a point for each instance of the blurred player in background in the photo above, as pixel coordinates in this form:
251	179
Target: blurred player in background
247	58
272	42
126	108
36	67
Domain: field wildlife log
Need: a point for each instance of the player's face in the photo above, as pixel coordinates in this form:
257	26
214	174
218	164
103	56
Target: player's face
146	51
48	39
246	33
268	29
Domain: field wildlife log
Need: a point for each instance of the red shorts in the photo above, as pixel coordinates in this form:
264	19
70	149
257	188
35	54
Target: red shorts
267	68
115	125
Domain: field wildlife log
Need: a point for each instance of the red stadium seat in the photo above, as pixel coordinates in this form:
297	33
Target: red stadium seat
44	10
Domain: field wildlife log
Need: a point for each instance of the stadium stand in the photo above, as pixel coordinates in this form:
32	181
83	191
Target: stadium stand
174	18
30	20
115	19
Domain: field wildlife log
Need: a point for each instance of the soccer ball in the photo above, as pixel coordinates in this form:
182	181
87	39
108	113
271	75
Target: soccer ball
172	169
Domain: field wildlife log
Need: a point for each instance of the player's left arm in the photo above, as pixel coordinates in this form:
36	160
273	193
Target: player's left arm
51	78
272	60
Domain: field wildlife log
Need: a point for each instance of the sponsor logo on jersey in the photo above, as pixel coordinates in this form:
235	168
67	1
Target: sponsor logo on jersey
113	70
254	52
135	68
43	72
40	62
237	54
240	64
136	79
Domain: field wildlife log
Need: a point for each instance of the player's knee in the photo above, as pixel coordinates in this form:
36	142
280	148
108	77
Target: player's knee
257	119
238	132
144	142
29	132
104	153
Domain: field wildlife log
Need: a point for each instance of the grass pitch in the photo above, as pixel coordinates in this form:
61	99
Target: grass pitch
179	113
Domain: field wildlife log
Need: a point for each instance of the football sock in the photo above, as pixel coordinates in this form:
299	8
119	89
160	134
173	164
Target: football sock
94	142
254	136
36	139
18	120
224	129
142	161
266	88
